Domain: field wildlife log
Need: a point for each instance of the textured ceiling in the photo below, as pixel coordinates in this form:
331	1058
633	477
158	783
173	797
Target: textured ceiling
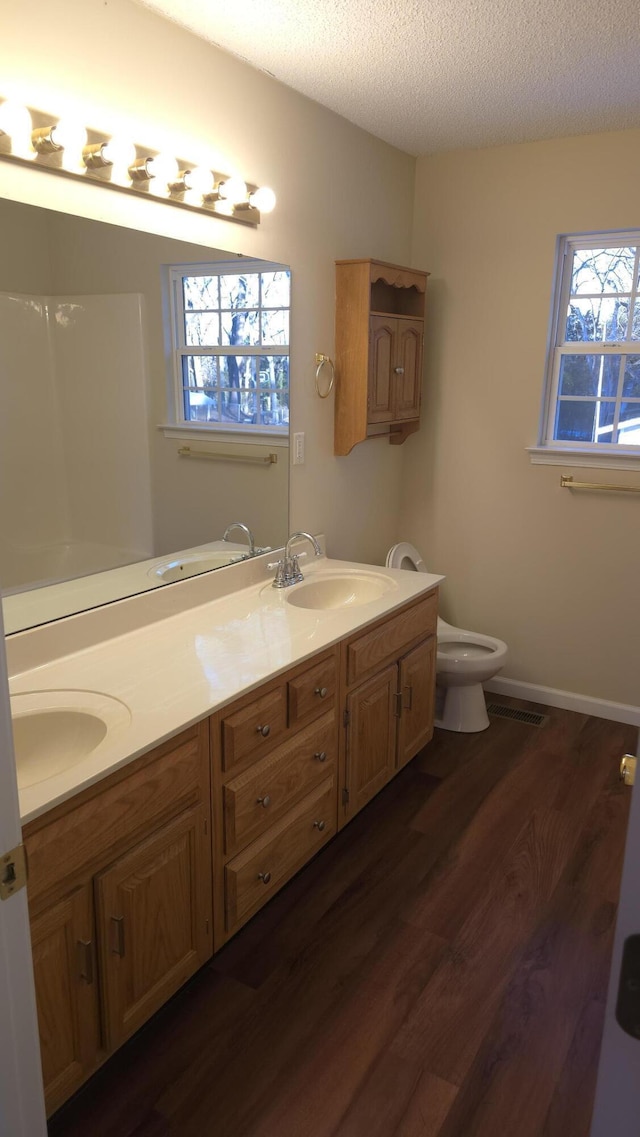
431	75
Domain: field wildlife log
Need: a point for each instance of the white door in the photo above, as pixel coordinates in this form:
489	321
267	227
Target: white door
22	1111
617	1107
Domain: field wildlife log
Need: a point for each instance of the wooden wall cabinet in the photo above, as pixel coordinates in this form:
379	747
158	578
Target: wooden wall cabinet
379	337
120	898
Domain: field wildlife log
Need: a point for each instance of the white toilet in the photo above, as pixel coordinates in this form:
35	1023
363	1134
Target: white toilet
465	660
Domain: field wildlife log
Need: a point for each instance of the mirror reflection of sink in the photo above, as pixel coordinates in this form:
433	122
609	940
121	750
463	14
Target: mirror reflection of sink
340	590
54	731
170	571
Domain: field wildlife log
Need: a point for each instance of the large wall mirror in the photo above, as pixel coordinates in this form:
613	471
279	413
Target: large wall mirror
98	499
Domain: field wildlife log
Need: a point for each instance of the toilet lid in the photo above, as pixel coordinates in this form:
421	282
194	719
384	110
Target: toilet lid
405	556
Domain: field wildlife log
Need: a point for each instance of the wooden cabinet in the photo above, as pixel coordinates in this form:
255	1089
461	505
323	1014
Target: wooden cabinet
379	336
153	927
121	905
276	802
64	967
390	678
125	901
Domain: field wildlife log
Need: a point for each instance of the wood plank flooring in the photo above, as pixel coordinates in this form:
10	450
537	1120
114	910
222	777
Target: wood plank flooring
439	970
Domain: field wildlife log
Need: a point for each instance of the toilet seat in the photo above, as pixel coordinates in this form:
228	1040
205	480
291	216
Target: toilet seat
405	556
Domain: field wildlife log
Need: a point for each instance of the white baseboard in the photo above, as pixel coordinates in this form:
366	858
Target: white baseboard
567	700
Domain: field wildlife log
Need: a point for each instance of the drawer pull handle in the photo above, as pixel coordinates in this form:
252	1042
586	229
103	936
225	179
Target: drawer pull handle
319	825
265	877
265	801
322	692
321	755
265	730
85	960
118	921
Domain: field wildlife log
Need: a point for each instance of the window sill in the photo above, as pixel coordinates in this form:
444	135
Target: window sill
594	459
199	431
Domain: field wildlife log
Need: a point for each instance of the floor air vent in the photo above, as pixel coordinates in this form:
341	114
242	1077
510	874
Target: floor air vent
530	718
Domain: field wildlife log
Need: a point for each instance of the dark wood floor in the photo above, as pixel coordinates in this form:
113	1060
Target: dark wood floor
439	970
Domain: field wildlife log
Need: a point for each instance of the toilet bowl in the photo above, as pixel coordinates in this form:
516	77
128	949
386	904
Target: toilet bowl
464	661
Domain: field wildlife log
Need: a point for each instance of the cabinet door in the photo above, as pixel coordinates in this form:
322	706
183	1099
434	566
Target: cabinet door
371	738
154	920
407	370
417	698
66	994
382	335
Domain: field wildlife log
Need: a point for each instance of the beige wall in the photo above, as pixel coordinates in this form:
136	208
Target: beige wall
341	193
553	573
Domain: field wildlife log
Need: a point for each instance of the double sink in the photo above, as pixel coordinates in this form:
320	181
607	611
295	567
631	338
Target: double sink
56	730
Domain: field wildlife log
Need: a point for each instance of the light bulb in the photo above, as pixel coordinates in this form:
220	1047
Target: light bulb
162	170
15	120
119	152
263	199
200	180
69	135
225	208
233	190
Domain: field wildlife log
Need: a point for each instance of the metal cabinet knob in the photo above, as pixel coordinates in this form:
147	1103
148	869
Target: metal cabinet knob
265	877
399	370
265	730
319	825
322	692
321	755
265	801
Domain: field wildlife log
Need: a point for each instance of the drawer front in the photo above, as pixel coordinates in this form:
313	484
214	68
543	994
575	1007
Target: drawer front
370	651
256	874
312	692
260	795
119	814
255	729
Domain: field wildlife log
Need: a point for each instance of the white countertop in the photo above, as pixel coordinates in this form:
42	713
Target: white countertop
180	669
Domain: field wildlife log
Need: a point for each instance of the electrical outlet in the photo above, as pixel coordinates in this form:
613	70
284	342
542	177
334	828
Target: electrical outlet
299	449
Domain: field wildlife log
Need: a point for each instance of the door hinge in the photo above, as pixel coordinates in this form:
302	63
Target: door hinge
628	769
345	796
346	718
13	871
398	698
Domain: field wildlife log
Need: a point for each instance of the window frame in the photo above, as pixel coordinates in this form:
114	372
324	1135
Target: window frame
553	450
179	349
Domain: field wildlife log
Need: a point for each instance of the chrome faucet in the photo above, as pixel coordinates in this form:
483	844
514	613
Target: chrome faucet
288	569
245	529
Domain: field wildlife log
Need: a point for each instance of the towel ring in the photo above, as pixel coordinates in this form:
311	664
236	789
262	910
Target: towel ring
321	360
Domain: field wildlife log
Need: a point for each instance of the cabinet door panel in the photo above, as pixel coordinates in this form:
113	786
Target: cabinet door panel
371	738
408	357
381	350
66	994
154	919
417	690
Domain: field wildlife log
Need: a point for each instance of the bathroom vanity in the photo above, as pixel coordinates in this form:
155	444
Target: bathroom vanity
259	724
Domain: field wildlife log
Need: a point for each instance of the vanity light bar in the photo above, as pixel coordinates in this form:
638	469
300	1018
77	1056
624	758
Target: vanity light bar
65	146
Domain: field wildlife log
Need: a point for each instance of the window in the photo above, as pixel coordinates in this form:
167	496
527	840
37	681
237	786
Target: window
593	378
230	328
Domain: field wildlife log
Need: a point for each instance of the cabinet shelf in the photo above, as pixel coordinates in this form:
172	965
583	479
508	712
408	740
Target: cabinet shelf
379	336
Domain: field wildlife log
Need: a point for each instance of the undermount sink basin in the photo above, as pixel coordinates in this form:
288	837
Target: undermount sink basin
54	731
171	571
340	590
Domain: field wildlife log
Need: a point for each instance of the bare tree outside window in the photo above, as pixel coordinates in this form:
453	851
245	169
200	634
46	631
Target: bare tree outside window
596	366
232	329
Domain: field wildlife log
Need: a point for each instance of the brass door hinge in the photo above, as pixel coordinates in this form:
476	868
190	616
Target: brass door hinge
346	718
628	769
345	796
13	871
